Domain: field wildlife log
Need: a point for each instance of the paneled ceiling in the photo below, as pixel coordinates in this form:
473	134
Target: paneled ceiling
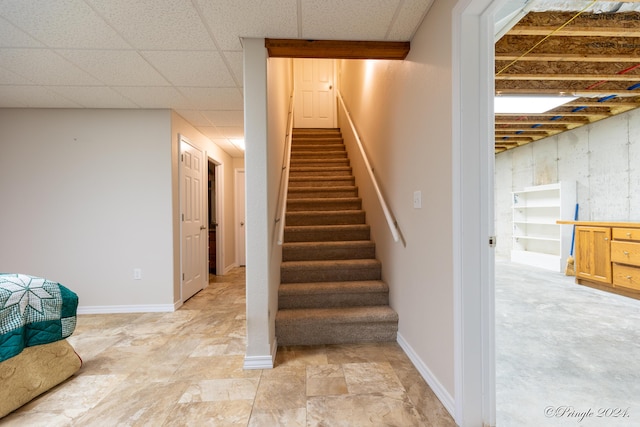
185	55
584	48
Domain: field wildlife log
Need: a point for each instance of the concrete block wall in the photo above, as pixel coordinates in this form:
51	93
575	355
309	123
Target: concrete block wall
603	158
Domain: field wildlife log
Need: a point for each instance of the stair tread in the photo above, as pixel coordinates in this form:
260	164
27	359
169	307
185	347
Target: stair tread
329	243
360	286
330	263
321	227
375	313
323	189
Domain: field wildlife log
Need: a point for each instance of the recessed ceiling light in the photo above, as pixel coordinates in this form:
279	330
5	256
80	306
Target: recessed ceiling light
530	104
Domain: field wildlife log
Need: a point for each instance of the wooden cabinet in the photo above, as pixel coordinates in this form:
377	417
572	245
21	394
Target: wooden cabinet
607	256
593	253
625	255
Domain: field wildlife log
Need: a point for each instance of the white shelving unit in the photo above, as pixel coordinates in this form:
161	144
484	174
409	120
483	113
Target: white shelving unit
537	239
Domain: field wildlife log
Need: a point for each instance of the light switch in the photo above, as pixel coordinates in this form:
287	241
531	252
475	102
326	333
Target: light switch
417	199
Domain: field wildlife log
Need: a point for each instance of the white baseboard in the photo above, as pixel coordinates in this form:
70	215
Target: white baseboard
262	362
441	393
110	309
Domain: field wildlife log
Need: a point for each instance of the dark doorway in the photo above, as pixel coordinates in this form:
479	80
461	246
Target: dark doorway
213	224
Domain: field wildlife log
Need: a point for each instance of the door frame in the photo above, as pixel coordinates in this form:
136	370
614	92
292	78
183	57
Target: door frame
237	221
205	270
473	222
219	176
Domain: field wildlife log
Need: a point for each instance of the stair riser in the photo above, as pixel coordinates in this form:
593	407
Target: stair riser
323	183
297	205
297	163
328	253
326	235
318	155
321	333
312	194
319	172
333	300
317	148
326	218
344	274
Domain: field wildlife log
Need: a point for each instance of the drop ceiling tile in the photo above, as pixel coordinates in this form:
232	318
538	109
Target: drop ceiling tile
229	148
408	19
12	36
189	68
156	24
155	97
116	67
62	23
231	132
210	132
204	98
33	97
230	20
236	62
225	118
10	78
346	20
94	96
194	117
42	66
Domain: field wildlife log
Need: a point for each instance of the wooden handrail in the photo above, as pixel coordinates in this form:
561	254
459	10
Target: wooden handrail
393	224
284	176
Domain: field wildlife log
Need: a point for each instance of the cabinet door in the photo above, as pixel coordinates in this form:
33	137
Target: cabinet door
593	253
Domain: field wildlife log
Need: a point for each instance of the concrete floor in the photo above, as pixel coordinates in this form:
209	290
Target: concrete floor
566	355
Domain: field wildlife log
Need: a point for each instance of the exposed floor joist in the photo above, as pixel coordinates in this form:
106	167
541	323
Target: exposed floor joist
595	56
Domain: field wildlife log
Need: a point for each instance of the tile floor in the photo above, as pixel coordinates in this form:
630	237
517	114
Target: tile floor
563	350
185	369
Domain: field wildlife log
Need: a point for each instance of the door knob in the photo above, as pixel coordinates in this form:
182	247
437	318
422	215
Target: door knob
242	224
202	227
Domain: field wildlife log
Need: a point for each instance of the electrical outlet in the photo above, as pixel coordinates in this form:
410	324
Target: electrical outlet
417	199
137	274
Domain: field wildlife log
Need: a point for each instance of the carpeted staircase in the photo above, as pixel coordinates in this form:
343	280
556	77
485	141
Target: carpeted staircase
330	291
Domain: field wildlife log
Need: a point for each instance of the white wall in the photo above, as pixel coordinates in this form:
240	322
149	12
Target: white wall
280	86
86	199
603	158
402	110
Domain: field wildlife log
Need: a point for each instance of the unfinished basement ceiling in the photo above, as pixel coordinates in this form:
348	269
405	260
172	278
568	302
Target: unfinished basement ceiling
581	48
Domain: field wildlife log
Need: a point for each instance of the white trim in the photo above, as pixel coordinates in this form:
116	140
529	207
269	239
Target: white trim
110	309
438	389
472	168
262	362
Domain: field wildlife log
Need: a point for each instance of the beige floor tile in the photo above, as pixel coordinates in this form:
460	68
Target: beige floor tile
362	410
234	413
186	369
221	389
279	418
364	378
278	394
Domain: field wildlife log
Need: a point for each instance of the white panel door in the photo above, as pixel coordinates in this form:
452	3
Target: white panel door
315	94
193	224
240	218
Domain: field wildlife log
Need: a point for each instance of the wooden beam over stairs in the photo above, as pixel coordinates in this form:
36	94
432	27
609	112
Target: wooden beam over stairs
336	49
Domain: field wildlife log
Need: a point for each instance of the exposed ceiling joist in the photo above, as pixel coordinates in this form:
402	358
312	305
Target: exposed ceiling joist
336	49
